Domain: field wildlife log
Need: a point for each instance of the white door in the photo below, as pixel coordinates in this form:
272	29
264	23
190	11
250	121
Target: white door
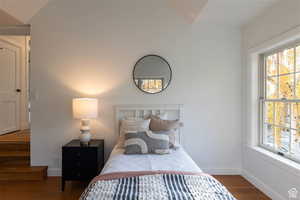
9	85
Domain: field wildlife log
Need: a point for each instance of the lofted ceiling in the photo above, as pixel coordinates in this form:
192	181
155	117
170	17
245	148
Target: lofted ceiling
190	9
6	19
235	12
227	12
23	10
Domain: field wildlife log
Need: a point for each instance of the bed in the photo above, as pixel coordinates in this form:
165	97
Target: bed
151	176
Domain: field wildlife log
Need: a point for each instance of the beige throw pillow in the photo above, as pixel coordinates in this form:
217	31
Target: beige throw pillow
157	124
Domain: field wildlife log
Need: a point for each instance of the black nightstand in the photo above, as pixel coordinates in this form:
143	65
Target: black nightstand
81	162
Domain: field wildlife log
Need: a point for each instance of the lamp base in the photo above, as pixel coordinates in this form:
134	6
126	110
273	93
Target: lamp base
85	136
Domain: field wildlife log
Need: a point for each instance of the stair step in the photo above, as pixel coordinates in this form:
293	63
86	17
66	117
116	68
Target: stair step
14	161
14	154
14	158
23	173
14	146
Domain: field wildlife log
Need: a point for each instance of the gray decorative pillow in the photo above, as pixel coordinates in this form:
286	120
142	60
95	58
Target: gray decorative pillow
173	141
146	142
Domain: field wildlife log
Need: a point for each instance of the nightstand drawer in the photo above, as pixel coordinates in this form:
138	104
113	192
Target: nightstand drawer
80	173
76	157
88	157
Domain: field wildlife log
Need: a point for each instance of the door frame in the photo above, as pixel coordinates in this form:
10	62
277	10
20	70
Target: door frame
21	77
22	30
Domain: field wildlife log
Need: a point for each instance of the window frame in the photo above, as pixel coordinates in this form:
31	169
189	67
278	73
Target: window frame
263	97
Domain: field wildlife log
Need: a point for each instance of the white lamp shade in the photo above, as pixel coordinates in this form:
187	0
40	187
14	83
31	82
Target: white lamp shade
85	108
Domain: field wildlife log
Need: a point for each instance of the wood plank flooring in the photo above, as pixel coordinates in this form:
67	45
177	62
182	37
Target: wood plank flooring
50	189
241	188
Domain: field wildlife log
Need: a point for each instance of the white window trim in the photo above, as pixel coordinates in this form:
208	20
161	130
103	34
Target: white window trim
263	99
251	109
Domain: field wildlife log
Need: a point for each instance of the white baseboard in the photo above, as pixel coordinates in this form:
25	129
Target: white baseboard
262	186
222	171
54	171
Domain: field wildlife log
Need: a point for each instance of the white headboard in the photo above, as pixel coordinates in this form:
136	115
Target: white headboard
174	111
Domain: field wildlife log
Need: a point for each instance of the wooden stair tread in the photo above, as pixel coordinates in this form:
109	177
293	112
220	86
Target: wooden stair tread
16	136
13	142
14	146
14	154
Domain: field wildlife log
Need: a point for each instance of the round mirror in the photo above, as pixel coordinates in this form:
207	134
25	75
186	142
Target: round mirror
152	74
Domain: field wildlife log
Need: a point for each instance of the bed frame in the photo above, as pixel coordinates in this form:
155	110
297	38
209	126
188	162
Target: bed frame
174	111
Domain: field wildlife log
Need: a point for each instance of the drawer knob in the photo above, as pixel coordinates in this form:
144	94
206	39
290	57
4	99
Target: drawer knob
78	154
78	164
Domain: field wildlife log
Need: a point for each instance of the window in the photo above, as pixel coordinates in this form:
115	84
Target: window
151	85
280	102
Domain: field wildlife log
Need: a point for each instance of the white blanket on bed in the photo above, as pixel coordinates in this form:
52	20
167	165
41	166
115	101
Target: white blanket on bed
177	160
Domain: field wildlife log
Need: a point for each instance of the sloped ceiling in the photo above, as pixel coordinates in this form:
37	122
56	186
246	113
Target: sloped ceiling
190	9
227	12
7	19
23	10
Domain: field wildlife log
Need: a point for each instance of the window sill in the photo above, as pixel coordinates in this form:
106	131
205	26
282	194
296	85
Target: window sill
279	161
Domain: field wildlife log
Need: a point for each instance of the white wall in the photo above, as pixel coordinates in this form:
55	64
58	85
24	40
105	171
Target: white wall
89	48
279	24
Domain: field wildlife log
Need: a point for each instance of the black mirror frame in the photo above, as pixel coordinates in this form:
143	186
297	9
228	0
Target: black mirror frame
171	73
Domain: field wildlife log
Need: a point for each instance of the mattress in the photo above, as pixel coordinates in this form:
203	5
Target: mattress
171	176
177	160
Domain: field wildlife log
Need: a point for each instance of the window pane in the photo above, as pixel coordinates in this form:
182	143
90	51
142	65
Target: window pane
268	137
297	85
282	139
272	88
286	61
277	138
271	65
295	151
282	114
286	86
295	116
269	112
159	84
298	59
145	84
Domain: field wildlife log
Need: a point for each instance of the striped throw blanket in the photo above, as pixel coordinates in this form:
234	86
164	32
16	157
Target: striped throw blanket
156	186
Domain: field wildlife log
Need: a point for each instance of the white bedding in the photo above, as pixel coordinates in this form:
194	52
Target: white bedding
177	160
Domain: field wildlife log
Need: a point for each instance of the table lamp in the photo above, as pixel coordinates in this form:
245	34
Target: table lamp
85	109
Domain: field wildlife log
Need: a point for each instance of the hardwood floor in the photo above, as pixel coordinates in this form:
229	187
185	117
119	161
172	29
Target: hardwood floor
241	188
50	189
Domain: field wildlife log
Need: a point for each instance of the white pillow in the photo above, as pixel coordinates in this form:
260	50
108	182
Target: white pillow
163	116
132	125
